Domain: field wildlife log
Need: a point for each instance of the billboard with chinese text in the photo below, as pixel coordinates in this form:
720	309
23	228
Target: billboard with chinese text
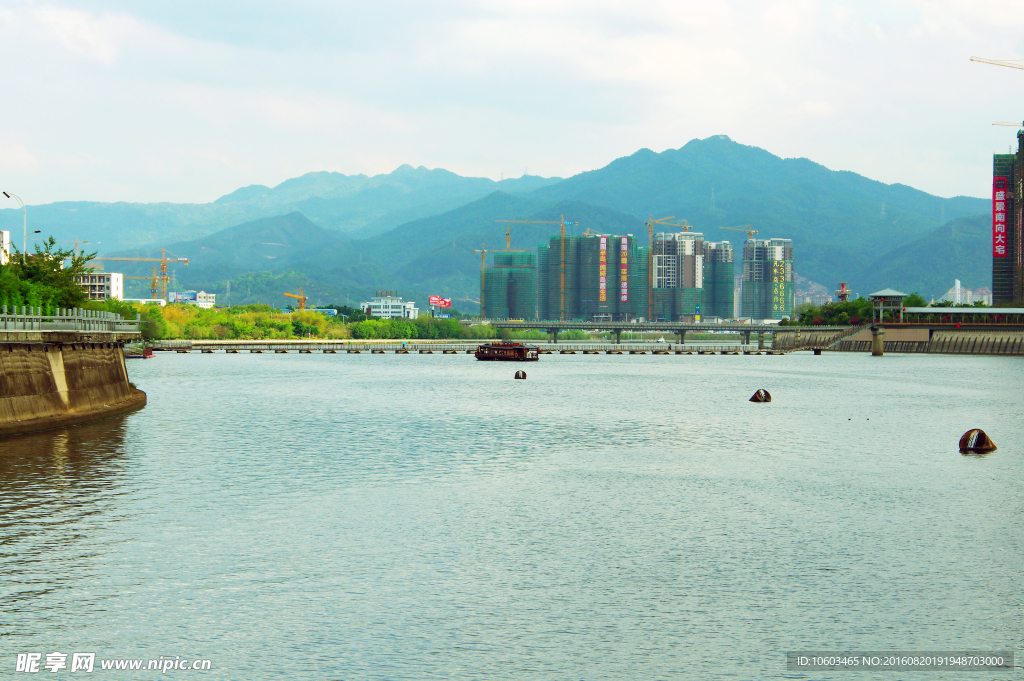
999	217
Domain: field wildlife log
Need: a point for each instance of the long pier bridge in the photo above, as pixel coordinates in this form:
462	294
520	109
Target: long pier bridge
678	329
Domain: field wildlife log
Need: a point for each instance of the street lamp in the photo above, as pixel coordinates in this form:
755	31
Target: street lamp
24	216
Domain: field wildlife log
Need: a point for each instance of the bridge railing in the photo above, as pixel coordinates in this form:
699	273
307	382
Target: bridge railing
23	318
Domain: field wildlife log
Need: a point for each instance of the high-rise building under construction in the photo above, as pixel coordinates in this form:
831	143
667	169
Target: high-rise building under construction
719	276
678	267
767	278
510	286
599	276
1008	225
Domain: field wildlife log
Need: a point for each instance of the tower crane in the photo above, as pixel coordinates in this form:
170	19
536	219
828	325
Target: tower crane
163	260
77	241
1011	125
561	221
743	228
153	287
662	222
301	297
1009	63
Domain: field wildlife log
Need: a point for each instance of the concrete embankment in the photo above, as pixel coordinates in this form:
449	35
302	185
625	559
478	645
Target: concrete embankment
922	340
48	382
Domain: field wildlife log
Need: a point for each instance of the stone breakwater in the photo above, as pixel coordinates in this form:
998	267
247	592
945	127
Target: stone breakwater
63	380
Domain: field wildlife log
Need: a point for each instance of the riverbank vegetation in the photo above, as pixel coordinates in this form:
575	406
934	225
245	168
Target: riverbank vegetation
44	279
263	322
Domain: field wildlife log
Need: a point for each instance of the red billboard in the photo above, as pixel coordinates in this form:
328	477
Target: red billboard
438	301
999	217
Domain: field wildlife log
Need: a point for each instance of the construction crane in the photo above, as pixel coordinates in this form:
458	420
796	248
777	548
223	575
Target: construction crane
483	260
153	288
1009	63
1011	125
561	221
301	297
743	228
163	260
661	222
77	241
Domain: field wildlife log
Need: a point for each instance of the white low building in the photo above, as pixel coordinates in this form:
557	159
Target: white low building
159	302
199	298
101	285
386	305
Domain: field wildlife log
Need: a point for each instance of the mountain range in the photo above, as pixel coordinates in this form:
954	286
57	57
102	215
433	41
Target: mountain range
414	230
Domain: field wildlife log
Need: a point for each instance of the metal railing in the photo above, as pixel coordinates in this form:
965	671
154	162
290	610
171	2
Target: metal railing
22	318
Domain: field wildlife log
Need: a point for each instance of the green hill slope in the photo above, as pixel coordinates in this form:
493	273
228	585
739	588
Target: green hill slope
834	217
356	206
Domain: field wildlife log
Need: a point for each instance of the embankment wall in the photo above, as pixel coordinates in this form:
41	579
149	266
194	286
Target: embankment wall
948	343
47	385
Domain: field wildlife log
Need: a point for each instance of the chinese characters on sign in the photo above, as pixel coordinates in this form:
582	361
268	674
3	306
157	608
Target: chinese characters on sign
624	270
778	285
438	301
602	271
999	217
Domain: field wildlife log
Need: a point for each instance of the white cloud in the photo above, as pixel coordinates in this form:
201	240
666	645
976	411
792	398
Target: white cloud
17	159
190	108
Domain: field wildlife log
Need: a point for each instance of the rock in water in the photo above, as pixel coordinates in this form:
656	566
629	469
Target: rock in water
761	395
975	440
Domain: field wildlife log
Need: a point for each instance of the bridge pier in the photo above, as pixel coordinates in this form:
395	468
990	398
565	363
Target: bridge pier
682	337
760	340
618	336
877	341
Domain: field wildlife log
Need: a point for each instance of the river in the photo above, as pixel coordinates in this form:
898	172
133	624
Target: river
611	517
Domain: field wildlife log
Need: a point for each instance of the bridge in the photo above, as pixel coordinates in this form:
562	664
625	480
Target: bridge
679	329
468	347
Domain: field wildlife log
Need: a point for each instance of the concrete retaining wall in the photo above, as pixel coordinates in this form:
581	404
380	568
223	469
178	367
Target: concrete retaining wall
46	385
947	343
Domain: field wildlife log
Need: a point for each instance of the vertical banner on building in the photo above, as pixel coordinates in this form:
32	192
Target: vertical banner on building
999	217
602	271
778	285
624	270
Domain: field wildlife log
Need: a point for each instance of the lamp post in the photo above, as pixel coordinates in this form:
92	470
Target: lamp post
24	217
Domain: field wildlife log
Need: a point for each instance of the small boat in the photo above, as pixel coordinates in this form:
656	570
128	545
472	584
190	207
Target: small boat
507	352
133	353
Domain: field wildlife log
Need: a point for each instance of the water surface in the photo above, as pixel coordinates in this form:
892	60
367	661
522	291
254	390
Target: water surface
419	517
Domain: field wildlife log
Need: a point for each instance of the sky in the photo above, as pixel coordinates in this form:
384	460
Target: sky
186	101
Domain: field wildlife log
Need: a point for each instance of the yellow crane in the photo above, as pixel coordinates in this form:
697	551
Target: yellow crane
153	287
561	221
743	228
1009	63
301	297
163	260
661	222
1011	125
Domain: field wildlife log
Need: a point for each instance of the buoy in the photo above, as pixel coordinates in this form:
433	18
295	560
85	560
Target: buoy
521	374
761	395
975	440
